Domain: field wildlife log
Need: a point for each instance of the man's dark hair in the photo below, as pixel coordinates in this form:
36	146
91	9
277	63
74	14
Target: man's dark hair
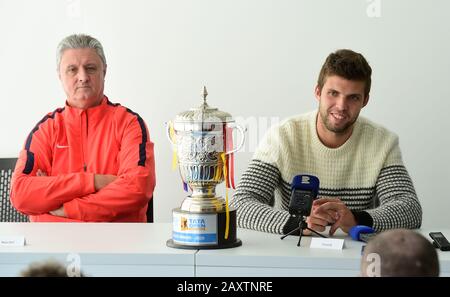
347	64
402	253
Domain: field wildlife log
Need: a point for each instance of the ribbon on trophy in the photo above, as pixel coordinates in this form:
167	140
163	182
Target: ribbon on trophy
174	154
227	210
230	157
228	172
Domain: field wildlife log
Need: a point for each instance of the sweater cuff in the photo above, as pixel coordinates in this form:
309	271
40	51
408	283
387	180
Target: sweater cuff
291	224
363	218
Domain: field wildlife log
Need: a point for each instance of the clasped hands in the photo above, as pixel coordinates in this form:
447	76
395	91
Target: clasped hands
332	211
100	181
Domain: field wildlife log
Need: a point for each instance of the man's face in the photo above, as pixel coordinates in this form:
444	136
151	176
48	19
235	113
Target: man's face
82	75
340	102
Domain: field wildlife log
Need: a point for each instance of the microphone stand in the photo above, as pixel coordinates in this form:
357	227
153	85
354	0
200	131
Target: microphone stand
302	226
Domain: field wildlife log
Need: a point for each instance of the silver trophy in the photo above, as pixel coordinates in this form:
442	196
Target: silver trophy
201	138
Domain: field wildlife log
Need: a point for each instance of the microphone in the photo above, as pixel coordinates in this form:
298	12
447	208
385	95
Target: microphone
361	233
304	190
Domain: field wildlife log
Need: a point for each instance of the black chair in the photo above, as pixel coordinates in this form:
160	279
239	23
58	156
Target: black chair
150	211
7	212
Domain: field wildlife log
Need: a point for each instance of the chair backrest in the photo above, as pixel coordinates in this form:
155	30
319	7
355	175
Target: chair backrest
150	211
7	212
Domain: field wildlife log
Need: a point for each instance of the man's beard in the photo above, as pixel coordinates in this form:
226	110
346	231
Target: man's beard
324	115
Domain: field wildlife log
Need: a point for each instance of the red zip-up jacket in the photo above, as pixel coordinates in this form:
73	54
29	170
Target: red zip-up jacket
71	145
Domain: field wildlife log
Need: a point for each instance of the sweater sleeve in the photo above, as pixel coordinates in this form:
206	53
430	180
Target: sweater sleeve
34	195
131	191
399	206
254	199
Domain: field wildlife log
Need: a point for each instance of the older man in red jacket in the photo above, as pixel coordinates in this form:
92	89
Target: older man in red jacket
91	160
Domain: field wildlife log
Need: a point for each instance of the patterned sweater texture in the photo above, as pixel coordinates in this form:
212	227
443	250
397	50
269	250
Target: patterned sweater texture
366	173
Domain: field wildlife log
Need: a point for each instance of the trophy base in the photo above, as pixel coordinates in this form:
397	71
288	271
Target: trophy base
203	230
172	244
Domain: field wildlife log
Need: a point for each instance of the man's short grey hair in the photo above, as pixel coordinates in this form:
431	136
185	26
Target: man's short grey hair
79	41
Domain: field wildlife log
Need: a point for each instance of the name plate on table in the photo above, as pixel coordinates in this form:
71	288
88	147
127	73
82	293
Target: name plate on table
12	241
327	243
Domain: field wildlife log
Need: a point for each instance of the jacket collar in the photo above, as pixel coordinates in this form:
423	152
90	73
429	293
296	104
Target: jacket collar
94	111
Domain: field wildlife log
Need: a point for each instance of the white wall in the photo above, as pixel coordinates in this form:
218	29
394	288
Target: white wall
259	60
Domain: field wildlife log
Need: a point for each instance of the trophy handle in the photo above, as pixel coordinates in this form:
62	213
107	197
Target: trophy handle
242	131
168	125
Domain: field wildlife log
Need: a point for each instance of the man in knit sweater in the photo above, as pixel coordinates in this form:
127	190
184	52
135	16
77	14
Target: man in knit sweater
363	180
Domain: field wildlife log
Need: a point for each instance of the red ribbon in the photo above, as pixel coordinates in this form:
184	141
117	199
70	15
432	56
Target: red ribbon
228	131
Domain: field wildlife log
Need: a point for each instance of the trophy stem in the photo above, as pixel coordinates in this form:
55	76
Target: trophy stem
203	192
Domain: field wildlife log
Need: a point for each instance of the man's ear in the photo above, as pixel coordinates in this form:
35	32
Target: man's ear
317	92
104	70
366	100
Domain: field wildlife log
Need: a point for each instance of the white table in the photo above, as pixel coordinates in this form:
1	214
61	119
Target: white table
264	254
126	249
112	249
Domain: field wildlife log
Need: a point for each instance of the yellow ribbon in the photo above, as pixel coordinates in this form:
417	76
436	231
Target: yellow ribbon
174	154
218	174
227	210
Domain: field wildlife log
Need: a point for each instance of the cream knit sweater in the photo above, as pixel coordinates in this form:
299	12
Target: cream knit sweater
366	173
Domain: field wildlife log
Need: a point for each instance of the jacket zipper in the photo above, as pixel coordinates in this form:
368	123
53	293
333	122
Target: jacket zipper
83	140
86	141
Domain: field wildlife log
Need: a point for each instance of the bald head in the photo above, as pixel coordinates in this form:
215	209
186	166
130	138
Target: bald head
399	252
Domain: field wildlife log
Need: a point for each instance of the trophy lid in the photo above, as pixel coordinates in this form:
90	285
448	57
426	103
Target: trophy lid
204	113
